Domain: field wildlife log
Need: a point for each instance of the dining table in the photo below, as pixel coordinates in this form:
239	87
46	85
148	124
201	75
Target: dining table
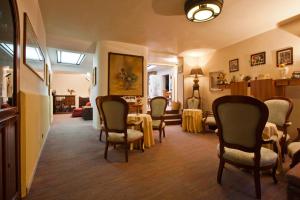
192	120
146	125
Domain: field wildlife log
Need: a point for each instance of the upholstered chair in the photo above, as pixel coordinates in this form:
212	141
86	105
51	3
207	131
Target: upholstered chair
208	121
294	150
193	103
158	107
241	121
114	111
280	109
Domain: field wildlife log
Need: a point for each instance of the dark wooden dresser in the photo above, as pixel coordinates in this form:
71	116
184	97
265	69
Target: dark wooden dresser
63	103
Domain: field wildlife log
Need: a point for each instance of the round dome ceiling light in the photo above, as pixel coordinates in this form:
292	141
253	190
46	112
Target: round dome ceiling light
202	10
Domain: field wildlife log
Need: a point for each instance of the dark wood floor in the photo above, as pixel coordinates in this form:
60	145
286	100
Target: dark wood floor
183	166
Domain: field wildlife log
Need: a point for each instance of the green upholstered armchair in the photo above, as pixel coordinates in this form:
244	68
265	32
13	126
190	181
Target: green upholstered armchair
240	121
114	111
294	150
280	109
158	107
193	103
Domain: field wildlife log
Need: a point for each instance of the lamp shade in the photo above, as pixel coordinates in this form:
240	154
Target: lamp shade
196	71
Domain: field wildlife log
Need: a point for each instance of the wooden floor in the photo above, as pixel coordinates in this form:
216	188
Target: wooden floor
183	166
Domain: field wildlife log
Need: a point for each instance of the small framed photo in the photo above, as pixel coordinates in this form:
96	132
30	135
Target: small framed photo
258	59
180	65
234	65
284	56
94	76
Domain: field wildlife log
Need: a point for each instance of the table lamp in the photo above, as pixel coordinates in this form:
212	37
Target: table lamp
197	72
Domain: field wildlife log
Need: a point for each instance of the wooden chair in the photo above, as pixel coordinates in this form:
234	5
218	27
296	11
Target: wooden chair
294	150
158	107
208	121
241	121
280	109
193	102
114	111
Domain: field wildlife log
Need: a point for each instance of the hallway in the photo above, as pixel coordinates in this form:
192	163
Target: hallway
183	166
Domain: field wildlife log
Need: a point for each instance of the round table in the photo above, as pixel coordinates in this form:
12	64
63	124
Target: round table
147	127
192	120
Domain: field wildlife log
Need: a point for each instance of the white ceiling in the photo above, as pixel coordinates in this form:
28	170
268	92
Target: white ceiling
84	67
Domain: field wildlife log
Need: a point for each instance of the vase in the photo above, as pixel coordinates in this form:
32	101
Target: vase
283	72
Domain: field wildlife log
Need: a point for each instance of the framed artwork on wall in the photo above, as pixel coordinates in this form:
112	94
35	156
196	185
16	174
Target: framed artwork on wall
47	73
125	75
213	81
284	56
180	65
33	56
258	59
234	65
94	76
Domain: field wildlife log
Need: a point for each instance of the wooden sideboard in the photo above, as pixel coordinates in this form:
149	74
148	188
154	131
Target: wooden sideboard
63	103
262	89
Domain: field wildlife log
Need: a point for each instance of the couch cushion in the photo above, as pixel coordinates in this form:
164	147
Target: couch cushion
293	148
156	123
293	175
119	137
268	157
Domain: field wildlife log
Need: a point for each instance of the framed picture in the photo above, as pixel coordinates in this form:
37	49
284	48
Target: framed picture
125	75
180	65
33	56
213	81
94	76
284	56
258	59
47	75
234	65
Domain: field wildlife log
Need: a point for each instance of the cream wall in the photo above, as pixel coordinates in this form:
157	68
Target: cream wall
35	122
78	82
270	42
101	62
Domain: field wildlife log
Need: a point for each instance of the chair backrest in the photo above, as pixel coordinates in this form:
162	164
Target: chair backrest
114	111
193	103
158	106
280	109
240	121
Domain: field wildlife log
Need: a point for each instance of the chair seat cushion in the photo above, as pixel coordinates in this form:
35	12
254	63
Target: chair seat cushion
132	135
156	123
268	157
293	148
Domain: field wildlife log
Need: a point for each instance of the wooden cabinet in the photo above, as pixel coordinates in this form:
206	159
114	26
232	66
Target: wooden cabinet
263	89
9	157
63	103
239	88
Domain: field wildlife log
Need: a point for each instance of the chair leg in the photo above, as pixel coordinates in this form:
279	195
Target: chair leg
142	144
164	132
257	183
126	152
220	171
100	136
274	173
106	149
160	135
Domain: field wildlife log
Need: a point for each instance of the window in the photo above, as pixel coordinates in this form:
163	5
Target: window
70	57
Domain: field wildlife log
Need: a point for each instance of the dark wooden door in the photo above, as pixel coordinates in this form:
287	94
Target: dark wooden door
11	158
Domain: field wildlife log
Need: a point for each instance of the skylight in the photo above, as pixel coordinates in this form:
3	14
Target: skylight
8	48
70	57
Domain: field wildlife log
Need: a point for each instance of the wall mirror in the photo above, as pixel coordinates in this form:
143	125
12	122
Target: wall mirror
33	55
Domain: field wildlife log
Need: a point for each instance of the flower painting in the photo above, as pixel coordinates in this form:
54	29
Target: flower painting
125	75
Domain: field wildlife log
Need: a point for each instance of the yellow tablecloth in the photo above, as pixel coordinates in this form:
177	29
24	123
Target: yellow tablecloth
192	120
271	131
147	127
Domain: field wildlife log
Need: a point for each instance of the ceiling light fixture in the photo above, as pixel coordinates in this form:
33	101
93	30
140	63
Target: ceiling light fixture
202	10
